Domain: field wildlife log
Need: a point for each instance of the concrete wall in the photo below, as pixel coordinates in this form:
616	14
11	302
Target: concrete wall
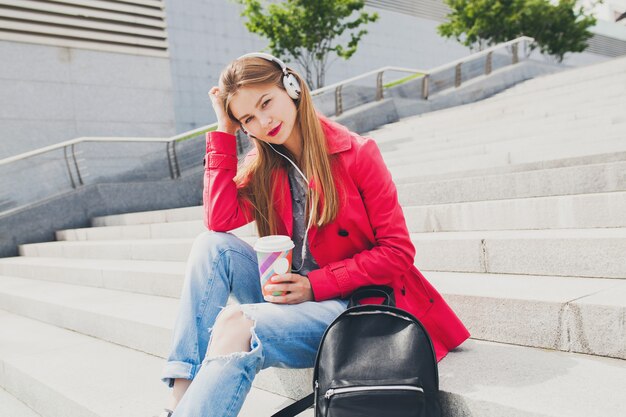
203	37
51	94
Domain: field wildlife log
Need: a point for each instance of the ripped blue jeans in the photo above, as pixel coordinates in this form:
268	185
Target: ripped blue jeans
285	336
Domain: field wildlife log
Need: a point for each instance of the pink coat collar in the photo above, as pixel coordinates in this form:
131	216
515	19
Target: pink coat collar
338	137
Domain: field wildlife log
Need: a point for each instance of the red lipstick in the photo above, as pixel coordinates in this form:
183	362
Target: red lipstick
275	131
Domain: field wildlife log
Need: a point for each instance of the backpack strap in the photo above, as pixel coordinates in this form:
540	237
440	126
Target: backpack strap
296	408
373	291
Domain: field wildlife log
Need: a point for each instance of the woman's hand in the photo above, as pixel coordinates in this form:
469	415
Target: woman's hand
224	123
298	289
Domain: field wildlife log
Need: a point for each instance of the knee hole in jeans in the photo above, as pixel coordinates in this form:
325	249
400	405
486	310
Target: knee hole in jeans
231	333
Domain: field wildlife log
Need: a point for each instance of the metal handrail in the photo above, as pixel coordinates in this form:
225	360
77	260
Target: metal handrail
480	54
71	160
338	87
365	75
171	141
436	69
61	145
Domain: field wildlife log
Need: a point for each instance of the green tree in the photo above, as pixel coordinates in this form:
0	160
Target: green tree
306	31
480	23
557	28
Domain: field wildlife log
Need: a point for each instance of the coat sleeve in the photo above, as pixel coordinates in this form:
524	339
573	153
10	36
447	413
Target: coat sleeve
224	210
393	252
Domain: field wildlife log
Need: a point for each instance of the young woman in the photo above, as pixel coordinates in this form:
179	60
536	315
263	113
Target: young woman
330	191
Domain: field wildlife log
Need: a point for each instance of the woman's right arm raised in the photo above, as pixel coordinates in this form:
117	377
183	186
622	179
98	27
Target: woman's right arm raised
223	209
224	123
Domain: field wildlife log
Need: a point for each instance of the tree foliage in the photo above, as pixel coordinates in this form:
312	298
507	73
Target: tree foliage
557	28
307	31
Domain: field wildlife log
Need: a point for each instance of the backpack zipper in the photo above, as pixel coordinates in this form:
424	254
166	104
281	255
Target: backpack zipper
389	313
317	388
334	391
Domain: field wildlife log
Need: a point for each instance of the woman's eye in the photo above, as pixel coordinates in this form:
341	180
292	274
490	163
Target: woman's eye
248	119
266	101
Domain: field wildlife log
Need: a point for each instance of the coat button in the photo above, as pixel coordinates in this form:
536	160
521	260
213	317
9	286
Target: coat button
343	232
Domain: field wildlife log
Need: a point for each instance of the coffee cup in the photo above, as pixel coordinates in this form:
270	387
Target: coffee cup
274	254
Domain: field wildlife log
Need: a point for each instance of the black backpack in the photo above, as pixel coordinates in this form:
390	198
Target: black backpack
373	361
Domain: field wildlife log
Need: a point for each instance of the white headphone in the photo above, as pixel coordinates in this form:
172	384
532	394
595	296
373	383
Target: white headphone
289	80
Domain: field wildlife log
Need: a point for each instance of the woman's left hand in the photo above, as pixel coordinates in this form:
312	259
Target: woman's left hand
298	289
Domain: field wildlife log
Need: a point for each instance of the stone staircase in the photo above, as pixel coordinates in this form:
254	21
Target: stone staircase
515	206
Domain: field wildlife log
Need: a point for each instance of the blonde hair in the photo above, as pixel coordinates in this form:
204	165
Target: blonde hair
256	181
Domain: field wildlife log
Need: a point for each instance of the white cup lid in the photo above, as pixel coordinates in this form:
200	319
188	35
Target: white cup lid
273	243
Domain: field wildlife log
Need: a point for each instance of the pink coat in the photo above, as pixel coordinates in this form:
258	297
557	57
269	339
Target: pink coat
368	243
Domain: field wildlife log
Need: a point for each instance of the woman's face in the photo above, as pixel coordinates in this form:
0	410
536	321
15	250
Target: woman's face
266	112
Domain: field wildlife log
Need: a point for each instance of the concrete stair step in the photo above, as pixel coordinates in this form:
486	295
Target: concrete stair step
12	407
490	379
146	277
146	217
582	175
567	313
434	139
425	132
563	81
185	229
529	147
600	93
588	90
504	118
571	162
452	167
551	212
460	164
60	373
478	116
583	315
569	180
136	231
563	252
138	321
129	249
600	210
45	366
495	110
495	138
556	102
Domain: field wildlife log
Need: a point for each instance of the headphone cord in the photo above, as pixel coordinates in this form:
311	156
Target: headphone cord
309	197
